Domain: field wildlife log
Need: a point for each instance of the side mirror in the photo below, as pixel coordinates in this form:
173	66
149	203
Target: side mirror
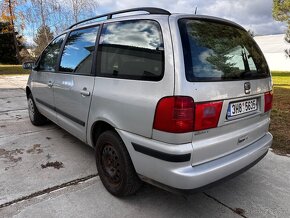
28	65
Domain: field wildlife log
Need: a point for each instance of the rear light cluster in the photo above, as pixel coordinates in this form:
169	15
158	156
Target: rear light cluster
179	114
268	98
207	115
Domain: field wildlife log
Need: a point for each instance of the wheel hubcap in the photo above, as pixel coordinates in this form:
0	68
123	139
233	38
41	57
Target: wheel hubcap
111	164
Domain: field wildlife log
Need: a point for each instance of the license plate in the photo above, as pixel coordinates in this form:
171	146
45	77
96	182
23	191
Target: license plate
242	107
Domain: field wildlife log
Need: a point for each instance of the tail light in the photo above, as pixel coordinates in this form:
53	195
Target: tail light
268	98
174	114
207	115
179	114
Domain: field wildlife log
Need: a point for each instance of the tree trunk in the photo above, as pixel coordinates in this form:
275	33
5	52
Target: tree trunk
43	20
13	31
75	10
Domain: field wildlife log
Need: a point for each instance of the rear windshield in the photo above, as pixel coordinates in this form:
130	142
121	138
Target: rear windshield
216	52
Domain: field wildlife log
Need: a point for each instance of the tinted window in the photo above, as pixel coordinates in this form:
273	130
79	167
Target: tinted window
78	51
215	51
49	56
131	50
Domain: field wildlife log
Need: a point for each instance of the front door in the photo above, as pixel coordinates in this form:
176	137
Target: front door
43	79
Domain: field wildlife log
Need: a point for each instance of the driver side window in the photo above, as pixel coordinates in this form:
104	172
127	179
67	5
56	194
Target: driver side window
49	56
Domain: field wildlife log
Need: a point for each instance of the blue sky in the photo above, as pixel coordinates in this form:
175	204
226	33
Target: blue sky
251	14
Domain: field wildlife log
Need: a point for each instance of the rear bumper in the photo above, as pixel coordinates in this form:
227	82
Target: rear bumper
182	175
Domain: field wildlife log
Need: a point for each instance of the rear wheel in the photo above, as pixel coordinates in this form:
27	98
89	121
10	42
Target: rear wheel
35	116
115	166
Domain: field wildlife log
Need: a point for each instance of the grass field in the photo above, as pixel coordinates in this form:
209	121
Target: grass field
12	69
280	123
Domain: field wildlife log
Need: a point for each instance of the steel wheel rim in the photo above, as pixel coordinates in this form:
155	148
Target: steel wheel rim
31	109
110	163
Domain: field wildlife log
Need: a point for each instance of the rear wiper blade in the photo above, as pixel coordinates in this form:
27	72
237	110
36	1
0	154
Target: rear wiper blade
246	74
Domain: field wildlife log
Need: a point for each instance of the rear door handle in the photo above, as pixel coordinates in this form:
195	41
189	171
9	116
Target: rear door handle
85	92
49	84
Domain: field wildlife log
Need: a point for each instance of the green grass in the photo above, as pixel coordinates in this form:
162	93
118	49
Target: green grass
281	79
12	69
280	123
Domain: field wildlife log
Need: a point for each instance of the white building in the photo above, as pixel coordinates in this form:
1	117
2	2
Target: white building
273	47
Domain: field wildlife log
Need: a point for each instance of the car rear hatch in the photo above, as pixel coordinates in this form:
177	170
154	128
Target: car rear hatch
230	84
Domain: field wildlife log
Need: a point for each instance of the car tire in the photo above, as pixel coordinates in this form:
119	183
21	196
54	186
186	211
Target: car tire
114	165
35	116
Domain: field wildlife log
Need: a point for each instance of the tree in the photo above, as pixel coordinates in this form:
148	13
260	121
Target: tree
41	13
7	46
9	15
42	38
281	12
56	14
82	8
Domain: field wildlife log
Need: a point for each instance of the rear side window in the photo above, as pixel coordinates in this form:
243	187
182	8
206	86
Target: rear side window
78	51
217	52
131	50
49	56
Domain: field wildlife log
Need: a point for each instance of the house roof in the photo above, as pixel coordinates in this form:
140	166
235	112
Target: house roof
272	43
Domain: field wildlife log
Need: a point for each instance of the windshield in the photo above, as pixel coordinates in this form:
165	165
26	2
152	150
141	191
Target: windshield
217	51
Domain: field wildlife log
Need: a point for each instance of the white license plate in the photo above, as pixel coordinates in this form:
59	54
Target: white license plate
242	107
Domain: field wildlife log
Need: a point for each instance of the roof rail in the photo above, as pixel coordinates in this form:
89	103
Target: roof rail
150	10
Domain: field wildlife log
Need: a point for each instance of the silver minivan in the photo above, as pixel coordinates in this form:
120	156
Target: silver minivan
179	101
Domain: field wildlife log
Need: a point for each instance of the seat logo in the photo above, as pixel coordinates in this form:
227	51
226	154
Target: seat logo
247	88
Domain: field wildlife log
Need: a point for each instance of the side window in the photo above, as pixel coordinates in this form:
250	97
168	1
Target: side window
78	52
131	50
49	56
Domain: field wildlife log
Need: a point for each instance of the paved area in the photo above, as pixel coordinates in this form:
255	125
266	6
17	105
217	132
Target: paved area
73	189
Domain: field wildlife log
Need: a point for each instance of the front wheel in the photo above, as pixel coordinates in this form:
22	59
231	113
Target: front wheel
114	165
35	116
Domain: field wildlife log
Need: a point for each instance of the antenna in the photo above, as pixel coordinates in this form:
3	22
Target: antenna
195	10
